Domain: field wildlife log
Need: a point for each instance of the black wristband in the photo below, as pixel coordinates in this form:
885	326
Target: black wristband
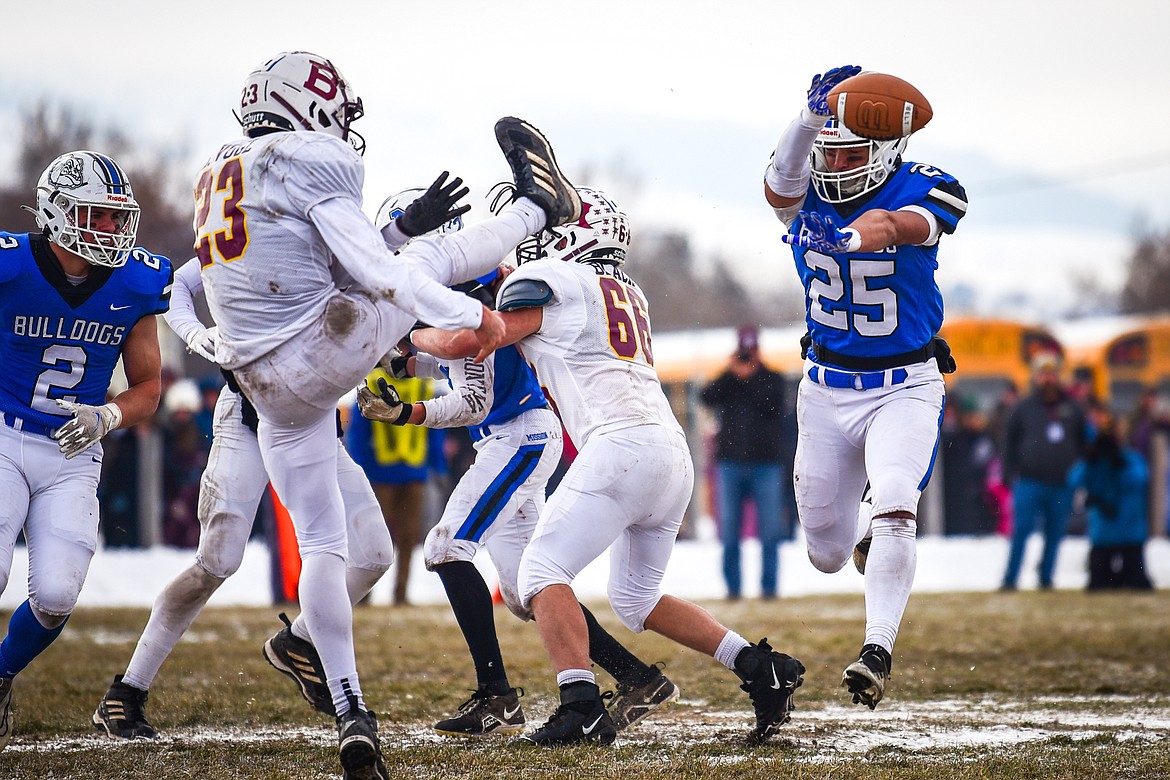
404	415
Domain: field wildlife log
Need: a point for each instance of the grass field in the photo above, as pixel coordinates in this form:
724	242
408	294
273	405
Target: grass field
1022	685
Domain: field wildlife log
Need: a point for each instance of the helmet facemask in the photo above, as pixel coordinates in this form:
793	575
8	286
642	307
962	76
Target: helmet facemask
882	159
70	189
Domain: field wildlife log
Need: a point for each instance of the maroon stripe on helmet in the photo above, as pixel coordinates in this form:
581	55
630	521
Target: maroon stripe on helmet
304	122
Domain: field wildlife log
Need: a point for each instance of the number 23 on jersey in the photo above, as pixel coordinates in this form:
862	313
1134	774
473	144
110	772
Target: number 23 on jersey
221	226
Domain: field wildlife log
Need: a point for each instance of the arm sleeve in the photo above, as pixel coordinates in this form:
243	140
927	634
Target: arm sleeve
182	316
361	250
788	172
471	400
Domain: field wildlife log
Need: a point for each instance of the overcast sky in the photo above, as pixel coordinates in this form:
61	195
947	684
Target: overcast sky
1050	117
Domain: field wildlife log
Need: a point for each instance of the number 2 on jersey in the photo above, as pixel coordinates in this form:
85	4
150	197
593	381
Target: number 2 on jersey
629	327
227	232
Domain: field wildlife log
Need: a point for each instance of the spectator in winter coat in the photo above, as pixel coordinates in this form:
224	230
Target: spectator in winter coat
1114	478
748	399
1046	436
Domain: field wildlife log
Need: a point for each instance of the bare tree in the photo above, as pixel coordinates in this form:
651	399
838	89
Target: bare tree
157	175
1147	285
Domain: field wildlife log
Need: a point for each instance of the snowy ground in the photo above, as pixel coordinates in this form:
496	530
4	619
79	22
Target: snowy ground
133	578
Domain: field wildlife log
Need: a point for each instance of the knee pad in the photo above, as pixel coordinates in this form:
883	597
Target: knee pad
513	602
53	608
369	543
220	554
439	547
829	560
632	609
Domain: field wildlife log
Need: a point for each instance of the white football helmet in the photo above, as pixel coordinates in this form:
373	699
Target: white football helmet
395	206
842	186
601	235
296	90
73	185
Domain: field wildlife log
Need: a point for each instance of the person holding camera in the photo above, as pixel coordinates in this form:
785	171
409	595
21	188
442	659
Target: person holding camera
748	399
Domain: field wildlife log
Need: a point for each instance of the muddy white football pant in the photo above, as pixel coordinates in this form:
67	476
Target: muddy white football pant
626	491
499	498
889	435
55	501
229	493
295	389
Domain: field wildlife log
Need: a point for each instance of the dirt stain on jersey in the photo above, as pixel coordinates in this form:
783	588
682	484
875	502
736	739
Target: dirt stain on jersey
273	287
341	316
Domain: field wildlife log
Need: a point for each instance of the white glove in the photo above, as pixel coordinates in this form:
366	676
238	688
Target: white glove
202	342
89	424
385	406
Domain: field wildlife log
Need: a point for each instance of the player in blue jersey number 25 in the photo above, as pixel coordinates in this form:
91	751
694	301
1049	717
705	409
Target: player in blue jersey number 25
864	228
74	297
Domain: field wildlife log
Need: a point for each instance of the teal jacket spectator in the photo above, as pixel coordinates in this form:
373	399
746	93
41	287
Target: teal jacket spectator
1115	485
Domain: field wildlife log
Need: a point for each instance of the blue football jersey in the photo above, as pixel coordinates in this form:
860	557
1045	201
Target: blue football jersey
62	341
878	304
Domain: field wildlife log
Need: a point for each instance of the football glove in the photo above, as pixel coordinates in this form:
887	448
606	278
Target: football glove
394	363
435	207
818	233
89	424
385	406
822	85
202	342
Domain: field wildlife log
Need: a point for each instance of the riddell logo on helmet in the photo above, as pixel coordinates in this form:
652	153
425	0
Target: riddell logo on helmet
322	80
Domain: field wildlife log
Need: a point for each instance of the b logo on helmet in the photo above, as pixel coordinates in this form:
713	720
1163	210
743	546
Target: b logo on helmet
322	80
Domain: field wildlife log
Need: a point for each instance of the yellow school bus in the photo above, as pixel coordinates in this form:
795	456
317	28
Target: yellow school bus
990	353
1120	357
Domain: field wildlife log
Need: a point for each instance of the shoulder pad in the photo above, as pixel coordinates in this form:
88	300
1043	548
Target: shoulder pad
524	293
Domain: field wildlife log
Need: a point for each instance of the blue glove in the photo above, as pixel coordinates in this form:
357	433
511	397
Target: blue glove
818	233
821	86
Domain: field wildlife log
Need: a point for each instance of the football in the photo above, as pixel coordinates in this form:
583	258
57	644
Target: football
879	106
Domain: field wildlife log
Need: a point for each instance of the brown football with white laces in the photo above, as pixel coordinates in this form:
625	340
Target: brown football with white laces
879	106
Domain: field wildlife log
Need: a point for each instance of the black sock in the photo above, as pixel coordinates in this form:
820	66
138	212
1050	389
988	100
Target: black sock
472	604
613	657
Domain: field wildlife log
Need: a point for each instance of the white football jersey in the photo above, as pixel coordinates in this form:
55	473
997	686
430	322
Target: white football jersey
593	353
272	216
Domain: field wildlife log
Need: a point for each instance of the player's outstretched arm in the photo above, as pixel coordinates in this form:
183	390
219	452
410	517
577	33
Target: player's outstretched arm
452	345
787	175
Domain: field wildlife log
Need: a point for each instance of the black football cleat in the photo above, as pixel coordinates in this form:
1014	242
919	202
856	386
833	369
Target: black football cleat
298	659
866	677
534	168
770	679
121	713
358	746
631	702
485	714
581	717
